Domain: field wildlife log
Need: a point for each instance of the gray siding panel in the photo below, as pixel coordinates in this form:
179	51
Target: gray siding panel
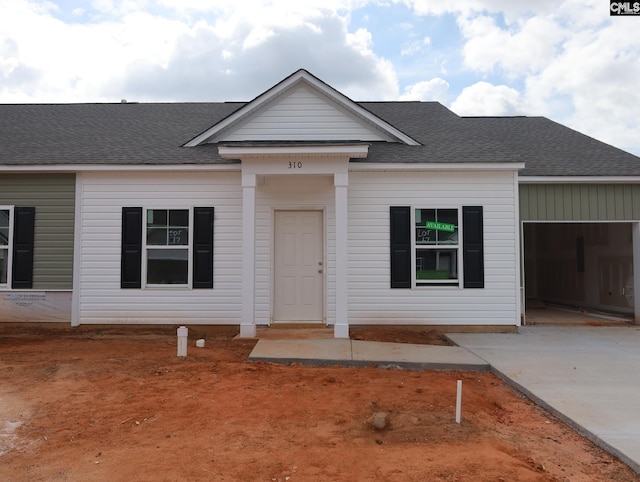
53	196
580	202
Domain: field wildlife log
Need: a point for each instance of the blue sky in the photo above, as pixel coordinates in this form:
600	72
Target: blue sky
568	60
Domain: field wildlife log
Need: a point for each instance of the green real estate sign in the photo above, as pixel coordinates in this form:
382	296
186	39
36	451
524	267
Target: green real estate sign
440	226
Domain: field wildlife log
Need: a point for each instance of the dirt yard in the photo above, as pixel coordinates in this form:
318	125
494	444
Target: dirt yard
117	405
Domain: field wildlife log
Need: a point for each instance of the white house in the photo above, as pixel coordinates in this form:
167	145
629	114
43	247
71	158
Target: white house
303	206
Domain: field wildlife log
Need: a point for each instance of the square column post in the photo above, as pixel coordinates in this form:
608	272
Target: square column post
635	241
341	327
248	323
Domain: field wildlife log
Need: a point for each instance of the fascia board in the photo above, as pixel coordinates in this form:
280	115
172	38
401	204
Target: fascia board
578	179
433	166
75	168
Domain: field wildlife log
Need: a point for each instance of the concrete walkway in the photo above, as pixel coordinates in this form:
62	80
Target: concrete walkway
354	353
587	376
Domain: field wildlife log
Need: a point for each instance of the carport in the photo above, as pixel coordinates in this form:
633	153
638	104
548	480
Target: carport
581	246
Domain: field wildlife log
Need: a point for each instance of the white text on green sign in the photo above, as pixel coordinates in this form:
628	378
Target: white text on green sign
440	226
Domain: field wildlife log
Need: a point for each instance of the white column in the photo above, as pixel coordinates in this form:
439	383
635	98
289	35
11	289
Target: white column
635	228
518	255
77	251
248	323
341	327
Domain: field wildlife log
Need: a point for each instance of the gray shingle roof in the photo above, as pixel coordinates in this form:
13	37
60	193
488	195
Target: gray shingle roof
153	134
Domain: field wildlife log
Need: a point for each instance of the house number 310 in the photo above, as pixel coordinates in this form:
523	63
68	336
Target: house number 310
295	165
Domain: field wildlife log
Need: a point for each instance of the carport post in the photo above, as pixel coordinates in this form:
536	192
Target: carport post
635	229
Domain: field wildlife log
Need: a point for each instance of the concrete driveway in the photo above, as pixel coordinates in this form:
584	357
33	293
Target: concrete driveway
588	376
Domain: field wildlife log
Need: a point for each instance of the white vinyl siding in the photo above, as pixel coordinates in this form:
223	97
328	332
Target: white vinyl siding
304	115
102	197
371	299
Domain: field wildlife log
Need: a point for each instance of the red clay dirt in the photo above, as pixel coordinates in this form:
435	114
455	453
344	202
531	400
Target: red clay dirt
119	405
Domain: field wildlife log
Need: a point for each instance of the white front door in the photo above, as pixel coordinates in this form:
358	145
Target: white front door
298	267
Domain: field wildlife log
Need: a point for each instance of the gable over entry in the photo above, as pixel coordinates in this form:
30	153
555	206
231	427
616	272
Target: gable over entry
296	133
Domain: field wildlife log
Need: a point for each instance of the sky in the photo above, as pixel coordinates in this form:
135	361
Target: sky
567	60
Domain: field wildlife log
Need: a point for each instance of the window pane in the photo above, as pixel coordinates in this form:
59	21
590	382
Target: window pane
167	227
436	264
424	235
157	236
447	220
4	258
4	236
157	217
179	217
167	266
178	236
4	218
436	226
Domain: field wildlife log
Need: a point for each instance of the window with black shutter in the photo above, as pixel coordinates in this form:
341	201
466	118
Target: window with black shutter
156	247
433	252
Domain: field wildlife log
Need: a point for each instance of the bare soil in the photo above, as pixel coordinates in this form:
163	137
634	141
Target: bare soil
119	405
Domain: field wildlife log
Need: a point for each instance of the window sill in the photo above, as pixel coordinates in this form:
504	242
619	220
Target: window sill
167	287
452	284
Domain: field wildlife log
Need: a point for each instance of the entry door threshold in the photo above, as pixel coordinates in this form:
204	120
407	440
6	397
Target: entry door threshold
297	324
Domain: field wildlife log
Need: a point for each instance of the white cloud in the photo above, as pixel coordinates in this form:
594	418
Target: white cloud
78	61
360	40
435	89
470	7
319	42
414	47
485	99
579	66
131	53
599	70
526	48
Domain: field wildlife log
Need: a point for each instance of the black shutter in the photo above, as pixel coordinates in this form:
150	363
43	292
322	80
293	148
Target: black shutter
203	247
473	247
400	222
23	229
131	254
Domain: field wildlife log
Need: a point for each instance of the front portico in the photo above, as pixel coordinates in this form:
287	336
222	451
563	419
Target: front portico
293	178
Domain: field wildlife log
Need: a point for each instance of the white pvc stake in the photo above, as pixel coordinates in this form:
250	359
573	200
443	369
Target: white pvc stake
459	401
183	333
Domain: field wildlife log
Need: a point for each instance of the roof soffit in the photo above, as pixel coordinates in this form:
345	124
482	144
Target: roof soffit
301	83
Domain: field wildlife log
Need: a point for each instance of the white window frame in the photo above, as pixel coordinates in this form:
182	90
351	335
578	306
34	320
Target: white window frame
188	247
458	282
8	247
